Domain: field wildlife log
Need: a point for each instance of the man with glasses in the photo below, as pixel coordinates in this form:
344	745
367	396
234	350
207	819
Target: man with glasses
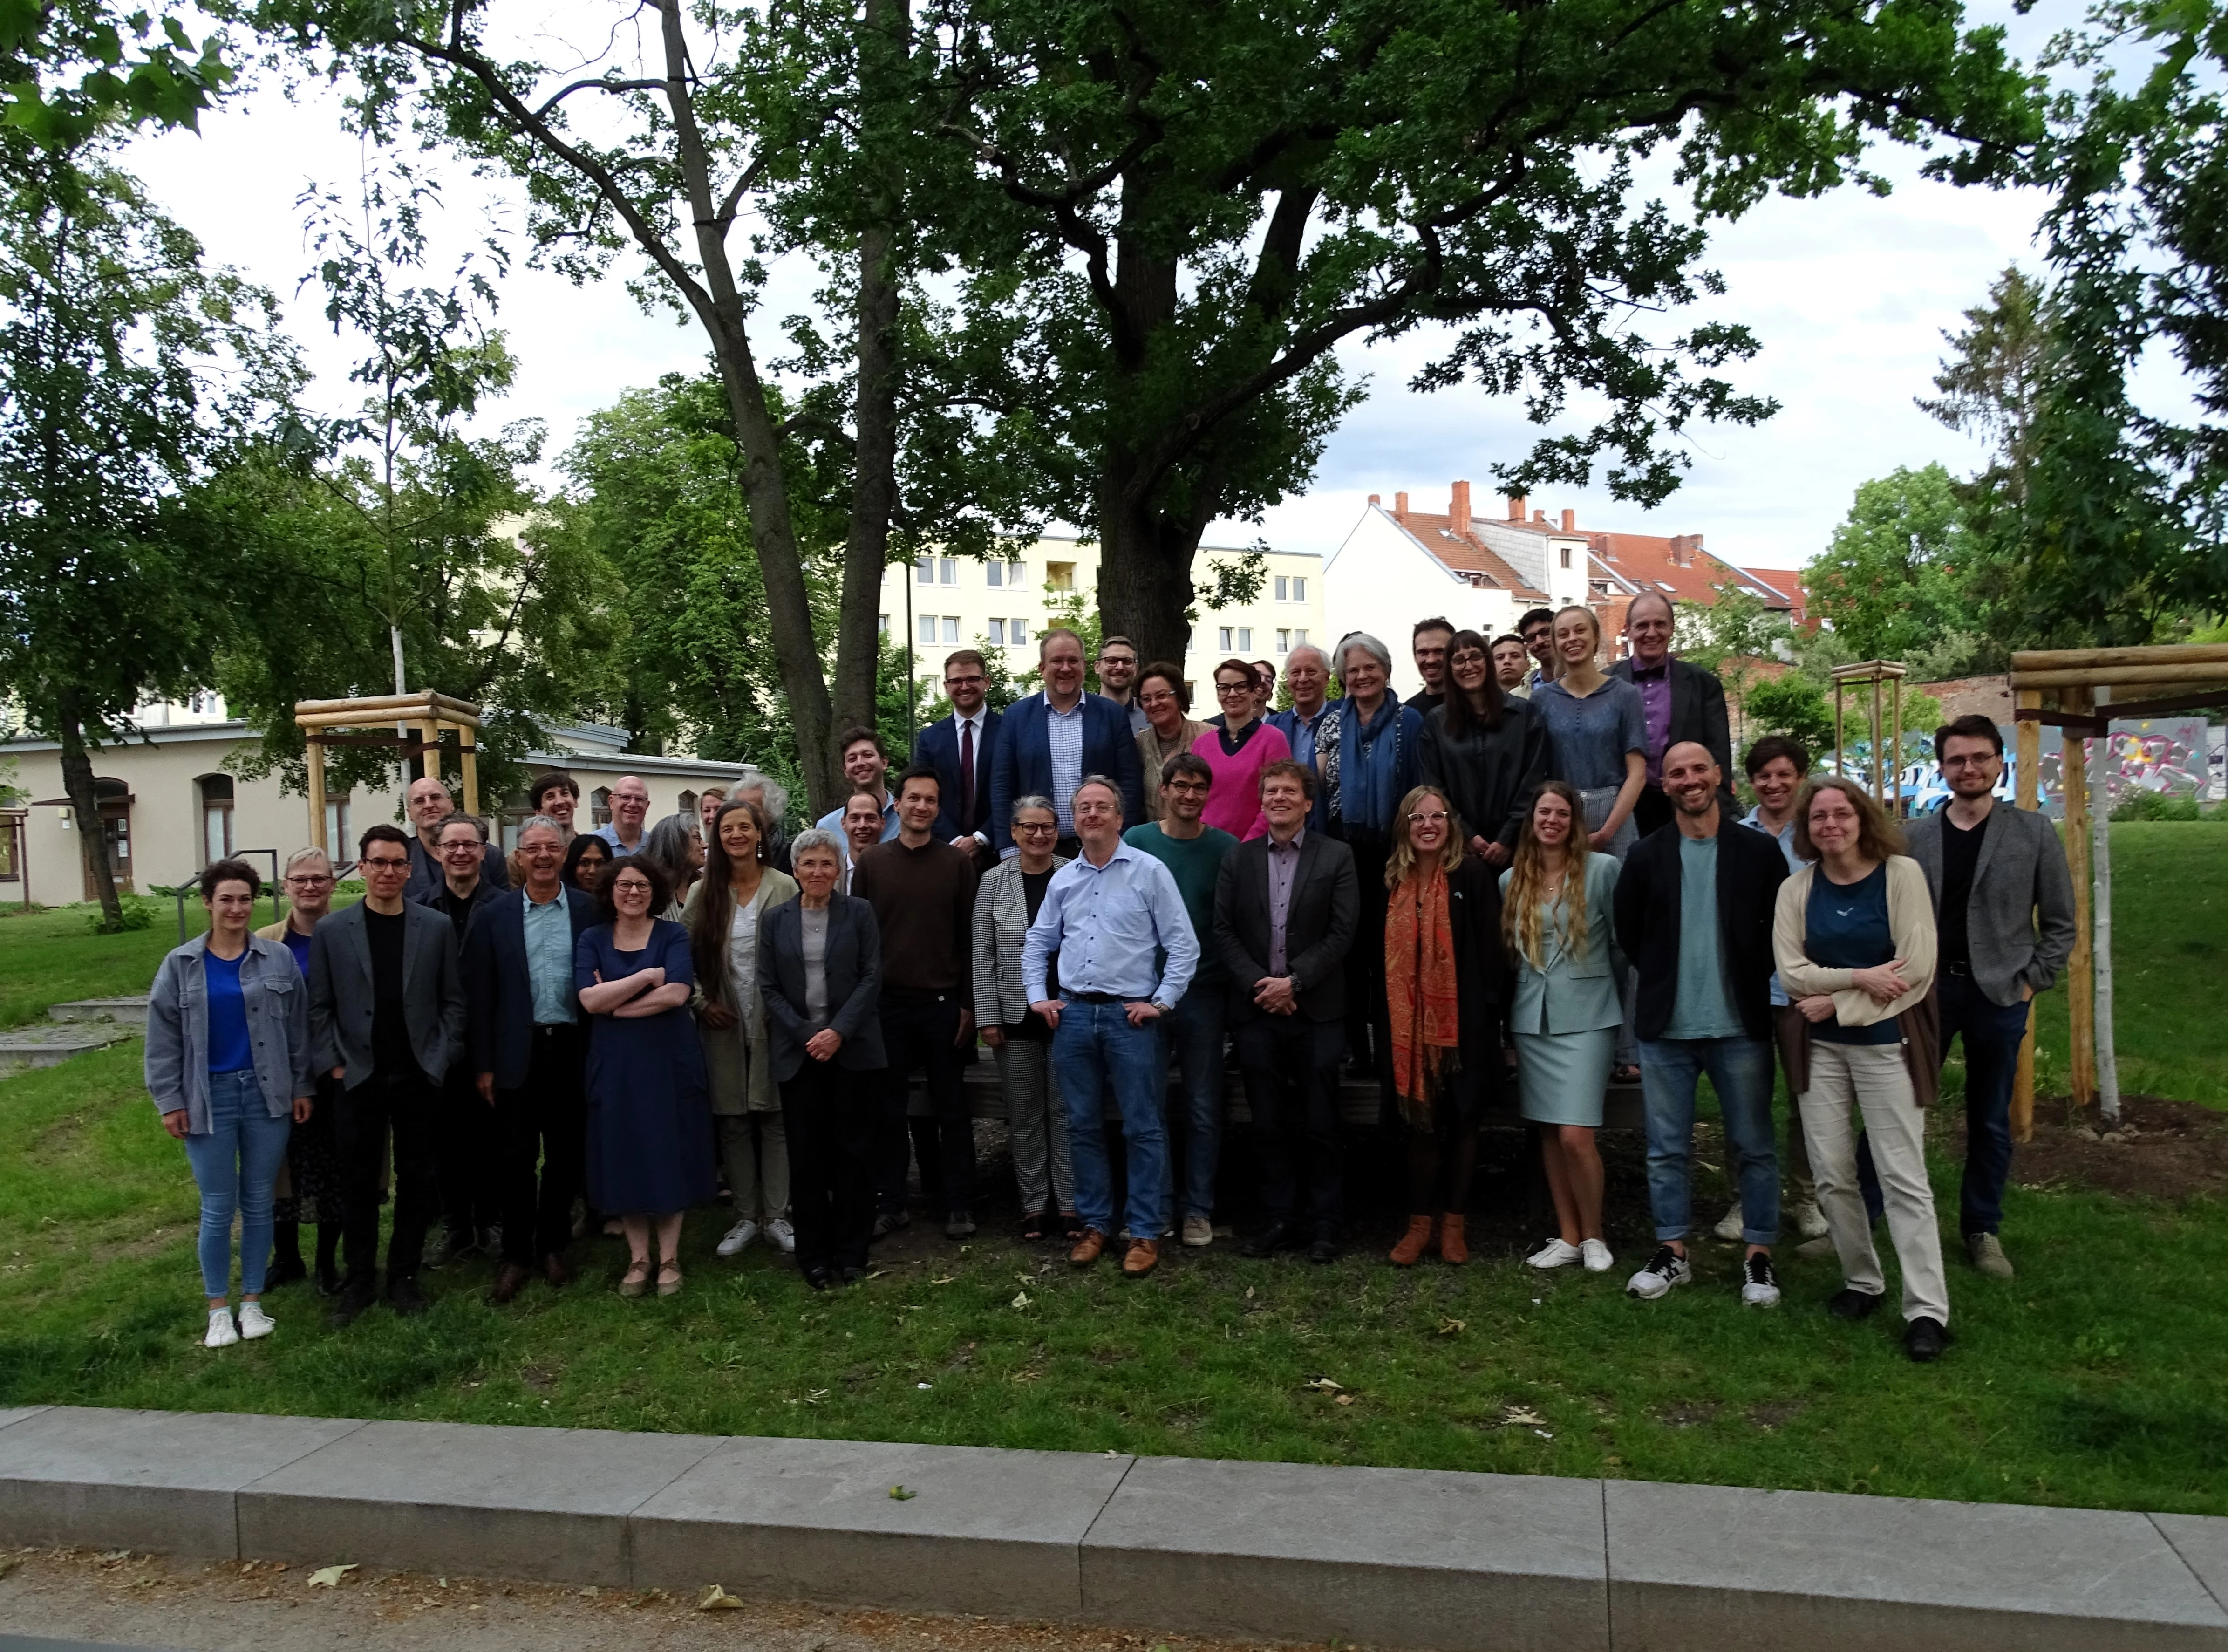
958	748
1111	915
313	1173
2003	907
1679	701
1191	1034
428	803
387	1020
1049	741
1118	678
468	1144
1537	629
630	808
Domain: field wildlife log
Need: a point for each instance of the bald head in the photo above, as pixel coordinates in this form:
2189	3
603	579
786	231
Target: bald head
1691	779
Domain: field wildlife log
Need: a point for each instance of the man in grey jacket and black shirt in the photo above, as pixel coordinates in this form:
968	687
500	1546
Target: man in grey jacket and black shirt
2003	903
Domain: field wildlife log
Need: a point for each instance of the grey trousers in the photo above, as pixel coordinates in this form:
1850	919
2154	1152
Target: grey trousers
1872	1079
754	1150
1036	1124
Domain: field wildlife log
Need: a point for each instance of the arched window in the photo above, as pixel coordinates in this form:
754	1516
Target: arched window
215	795
600	806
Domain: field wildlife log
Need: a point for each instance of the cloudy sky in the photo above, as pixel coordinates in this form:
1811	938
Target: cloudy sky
1849	294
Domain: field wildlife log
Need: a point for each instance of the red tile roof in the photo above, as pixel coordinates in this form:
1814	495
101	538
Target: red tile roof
1464	552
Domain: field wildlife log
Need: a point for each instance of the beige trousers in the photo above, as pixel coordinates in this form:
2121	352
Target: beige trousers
1872	1079
758	1169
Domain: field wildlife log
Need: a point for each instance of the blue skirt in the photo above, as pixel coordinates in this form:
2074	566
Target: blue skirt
1562	1076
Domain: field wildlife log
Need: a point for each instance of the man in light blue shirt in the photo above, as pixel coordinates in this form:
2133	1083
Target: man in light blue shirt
624	831
865	768
1113	914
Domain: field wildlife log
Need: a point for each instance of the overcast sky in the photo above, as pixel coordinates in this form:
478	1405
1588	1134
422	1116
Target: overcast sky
1849	294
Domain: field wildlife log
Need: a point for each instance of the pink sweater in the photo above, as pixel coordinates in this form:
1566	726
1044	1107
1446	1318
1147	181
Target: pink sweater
1235	803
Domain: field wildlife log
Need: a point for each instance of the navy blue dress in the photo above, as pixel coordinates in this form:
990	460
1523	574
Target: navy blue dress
649	1112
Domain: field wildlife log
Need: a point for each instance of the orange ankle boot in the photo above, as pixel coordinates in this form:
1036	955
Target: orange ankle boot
1413	1243
1452	1250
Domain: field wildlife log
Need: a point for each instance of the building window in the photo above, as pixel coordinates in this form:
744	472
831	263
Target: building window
1300	635
600	806
1061	576
216	817
998	629
1299	587
994	574
1566	556
1224	644
923	570
928	628
1244	639
687	806
952	628
340	843
1284	589
947	570
881	625
1017	575
1017	632
1283	641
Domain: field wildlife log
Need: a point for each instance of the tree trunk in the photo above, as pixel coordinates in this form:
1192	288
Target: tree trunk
85	804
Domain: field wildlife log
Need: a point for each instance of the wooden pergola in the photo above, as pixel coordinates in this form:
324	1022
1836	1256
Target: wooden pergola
1887	747
2085	688
413	725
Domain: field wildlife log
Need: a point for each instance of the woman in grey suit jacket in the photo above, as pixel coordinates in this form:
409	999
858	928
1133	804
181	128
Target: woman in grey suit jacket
820	970
1556	905
228	1063
1006	903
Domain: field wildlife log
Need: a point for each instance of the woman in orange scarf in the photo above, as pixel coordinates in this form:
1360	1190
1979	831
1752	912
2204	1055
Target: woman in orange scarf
1444	976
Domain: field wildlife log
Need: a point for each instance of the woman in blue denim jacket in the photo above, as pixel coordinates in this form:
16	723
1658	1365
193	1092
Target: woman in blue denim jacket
228	1066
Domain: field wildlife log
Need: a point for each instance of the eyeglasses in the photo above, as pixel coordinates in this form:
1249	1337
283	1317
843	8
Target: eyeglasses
1158	697
307	880
1433	817
1978	760
965	682
1467	657
1037	827
386	862
1200	787
1226	690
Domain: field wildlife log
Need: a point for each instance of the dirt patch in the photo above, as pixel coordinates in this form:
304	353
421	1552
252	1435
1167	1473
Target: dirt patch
1778	1414
2168	1149
1686	1416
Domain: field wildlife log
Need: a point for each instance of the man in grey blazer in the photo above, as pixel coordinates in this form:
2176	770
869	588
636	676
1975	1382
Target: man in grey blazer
2003	904
387	1019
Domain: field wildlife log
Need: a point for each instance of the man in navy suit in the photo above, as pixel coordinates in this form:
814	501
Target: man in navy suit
528	1050
958	748
1049	741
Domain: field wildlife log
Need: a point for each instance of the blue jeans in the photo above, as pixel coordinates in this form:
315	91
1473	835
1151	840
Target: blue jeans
235	1166
1094	1047
1740	1071
1191	1042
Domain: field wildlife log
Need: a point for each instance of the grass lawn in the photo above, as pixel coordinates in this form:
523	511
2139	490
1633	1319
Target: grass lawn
2091	1380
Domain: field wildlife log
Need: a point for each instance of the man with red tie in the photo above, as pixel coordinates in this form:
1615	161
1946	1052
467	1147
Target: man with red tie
958	748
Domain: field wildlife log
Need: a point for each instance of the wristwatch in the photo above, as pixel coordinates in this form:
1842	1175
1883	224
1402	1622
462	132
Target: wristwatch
1166	1009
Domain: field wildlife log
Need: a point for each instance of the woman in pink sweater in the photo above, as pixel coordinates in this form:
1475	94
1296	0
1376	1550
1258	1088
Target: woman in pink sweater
1238	749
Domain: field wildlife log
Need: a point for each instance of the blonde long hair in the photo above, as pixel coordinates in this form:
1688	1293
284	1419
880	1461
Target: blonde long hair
1403	863
1521	927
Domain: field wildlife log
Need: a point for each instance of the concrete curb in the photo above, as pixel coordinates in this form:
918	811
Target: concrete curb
1393	1557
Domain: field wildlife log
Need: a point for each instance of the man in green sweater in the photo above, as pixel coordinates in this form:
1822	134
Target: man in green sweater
1191	1034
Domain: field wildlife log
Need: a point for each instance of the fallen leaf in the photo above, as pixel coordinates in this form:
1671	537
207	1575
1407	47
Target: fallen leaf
1520	1417
716	1599
1026	1278
1327	1385
1344	1399
876	1273
899	1494
1020	1299
329	1577
946	1280
1451	1327
1543	1433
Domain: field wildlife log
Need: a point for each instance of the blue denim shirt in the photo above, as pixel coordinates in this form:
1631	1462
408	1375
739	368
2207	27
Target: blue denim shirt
178	1037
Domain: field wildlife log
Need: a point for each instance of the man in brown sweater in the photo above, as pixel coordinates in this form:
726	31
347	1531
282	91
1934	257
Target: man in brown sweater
922	893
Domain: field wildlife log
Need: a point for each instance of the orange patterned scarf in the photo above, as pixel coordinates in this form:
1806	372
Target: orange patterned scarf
1420	991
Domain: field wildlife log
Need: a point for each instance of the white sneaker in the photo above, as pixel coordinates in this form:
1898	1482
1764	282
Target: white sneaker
736	1238
1759	1284
1665	1269
1554	1254
222	1332
254	1323
1809	1220
781	1235
1732	1227
1597	1257
1198	1232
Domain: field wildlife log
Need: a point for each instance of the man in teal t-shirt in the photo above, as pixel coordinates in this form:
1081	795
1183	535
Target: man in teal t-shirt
1191	1034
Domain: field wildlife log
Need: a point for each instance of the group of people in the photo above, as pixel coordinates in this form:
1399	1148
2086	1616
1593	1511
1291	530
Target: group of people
1531	872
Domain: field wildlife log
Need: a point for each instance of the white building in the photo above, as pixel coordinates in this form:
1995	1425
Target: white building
944	603
170	807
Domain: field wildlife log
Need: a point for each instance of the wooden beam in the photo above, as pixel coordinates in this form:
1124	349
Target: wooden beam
431	733
372	717
316	758
2080	979
2027	783
2190	673
2082	659
425	699
468	763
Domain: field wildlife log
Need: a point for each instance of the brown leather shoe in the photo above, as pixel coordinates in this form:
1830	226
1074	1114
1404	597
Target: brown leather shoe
509	1280
555	1270
1089	1248
1144	1256
1454	1249
1413	1243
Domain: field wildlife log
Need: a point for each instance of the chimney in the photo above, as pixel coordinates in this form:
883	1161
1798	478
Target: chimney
1516	506
1683	546
1539	519
1400	504
1372	498
1570	521
1458	508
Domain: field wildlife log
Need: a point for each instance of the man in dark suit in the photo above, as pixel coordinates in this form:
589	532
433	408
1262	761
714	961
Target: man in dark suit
1047	743
528	1053
467	1148
1694	909
1678	701
387	1019
960	749
1286	906
429	803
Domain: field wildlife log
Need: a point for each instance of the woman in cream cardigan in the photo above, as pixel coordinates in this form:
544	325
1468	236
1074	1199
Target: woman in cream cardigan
1853	937
739	887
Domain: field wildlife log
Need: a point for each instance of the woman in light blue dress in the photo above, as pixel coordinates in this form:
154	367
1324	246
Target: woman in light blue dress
1555	907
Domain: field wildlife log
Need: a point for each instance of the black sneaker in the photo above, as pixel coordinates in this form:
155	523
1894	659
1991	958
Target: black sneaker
1924	1339
404	1297
356	1294
959	1225
1324	1248
279	1275
1759	1284
1665	1269
890	1222
1853	1304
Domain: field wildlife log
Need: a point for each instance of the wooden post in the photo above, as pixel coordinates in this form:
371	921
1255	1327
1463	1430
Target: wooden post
468	763
2081	981
431	734
2028	749
1880	758
1895	699
1840	741
2100	909
317	762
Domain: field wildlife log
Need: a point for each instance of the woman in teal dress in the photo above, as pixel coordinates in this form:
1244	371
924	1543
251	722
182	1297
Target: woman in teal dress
1555	907
649	1113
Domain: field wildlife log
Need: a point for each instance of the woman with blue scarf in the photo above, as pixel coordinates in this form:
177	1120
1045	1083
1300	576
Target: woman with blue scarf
1366	751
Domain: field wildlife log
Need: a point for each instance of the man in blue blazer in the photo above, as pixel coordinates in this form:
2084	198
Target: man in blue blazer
528	1045
960	749
1048	742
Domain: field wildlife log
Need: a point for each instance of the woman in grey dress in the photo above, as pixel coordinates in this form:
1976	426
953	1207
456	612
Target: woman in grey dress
1555	916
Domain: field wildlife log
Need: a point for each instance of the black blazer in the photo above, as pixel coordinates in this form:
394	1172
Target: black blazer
1319	926
427	875
499	984
937	747
1488	775
1750	868
854	967
1698	712
1481	970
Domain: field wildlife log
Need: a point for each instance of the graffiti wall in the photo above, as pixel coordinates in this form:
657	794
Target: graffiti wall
2177	756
